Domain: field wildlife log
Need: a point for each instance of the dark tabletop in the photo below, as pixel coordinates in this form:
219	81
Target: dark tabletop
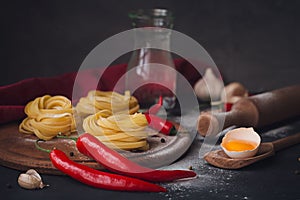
273	178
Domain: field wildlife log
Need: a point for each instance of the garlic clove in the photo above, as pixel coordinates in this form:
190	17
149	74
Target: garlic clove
30	180
209	87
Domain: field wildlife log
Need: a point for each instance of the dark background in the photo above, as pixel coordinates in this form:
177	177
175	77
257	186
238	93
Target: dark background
254	42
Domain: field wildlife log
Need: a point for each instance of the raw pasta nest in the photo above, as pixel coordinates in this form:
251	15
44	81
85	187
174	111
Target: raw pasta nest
116	122
47	116
110	102
119	131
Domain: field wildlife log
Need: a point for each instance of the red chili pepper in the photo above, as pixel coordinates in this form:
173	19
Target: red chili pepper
162	125
228	106
112	160
156	107
100	179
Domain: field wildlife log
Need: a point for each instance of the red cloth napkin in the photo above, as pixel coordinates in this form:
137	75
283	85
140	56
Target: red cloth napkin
15	96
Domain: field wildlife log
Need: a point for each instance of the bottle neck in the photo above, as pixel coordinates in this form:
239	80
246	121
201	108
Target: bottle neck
152	37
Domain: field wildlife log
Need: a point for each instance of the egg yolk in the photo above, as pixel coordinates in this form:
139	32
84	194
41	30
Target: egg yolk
239	145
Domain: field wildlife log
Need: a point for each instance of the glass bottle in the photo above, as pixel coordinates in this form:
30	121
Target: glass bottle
151	71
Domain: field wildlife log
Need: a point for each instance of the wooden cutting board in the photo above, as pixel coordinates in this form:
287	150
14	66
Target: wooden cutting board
18	151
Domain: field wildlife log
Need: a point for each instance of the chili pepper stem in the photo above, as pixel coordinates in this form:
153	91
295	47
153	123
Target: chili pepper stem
173	131
39	147
67	137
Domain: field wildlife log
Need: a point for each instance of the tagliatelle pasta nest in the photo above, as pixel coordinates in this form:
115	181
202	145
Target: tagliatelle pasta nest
119	131
116	122
110	102
47	116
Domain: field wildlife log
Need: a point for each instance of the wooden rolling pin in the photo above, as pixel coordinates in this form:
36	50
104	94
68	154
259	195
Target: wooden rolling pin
256	111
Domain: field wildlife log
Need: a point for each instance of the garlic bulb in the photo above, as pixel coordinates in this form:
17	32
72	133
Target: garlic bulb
209	87
30	180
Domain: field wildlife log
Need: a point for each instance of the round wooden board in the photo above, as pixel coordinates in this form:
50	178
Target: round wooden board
18	151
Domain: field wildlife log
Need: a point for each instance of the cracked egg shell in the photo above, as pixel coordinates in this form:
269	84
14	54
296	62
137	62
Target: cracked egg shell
241	143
